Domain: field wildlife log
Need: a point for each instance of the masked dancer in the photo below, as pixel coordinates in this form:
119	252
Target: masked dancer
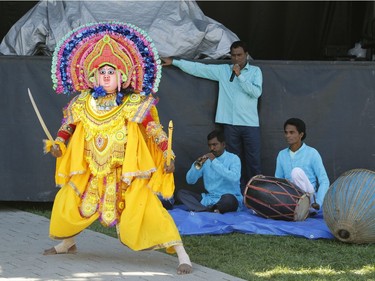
111	148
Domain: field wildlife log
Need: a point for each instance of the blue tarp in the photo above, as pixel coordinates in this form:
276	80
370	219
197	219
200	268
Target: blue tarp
245	221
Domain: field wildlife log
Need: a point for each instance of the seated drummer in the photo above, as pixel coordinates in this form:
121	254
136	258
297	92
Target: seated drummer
302	164
221	172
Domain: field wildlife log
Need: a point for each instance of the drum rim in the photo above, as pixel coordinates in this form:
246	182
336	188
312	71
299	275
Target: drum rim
305	213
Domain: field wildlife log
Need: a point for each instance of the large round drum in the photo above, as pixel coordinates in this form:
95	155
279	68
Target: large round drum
276	198
349	207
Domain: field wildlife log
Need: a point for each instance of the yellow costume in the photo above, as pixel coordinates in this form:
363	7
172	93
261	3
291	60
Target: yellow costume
112	168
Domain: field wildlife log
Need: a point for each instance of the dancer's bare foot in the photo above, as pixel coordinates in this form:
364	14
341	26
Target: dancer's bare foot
52	251
184	268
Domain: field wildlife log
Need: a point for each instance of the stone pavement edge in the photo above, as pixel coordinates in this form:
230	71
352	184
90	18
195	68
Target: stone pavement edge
24	236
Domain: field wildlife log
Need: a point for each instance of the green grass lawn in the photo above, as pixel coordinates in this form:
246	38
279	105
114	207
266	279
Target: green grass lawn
266	257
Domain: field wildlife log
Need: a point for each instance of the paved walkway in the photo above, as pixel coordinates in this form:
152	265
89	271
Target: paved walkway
23	236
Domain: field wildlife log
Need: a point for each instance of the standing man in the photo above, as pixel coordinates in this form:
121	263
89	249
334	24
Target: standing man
300	163
221	172
240	86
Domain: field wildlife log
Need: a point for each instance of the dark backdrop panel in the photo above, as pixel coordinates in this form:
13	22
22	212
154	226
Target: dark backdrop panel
336	100
26	173
295	30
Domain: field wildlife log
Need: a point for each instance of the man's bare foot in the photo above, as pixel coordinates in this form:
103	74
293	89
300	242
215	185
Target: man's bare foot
52	251
184	268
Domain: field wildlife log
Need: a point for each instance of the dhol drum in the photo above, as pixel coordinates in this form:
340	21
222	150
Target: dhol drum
349	207
276	198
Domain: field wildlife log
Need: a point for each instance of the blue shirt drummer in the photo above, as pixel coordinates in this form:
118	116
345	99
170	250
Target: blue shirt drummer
302	163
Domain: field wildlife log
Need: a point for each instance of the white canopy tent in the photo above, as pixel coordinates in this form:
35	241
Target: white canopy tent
178	28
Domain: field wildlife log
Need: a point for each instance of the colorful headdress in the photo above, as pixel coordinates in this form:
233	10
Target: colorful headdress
123	46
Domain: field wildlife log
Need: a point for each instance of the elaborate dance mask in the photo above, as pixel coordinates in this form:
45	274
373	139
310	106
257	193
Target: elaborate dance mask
82	54
109	79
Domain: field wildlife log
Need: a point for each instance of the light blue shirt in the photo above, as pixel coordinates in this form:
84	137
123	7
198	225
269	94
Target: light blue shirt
308	159
220	176
237	100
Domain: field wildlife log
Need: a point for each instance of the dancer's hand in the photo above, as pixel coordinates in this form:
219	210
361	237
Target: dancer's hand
170	168
56	151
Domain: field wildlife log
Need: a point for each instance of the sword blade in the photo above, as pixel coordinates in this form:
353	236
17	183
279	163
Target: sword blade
41	121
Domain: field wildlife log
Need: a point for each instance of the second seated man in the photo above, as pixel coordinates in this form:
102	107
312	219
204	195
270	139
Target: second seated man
302	164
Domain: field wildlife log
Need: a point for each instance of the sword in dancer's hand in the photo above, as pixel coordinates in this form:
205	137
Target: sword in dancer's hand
41	121
169	151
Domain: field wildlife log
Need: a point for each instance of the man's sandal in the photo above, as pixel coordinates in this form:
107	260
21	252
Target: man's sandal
52	251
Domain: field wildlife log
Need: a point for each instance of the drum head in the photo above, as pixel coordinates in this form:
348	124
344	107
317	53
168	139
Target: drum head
302	209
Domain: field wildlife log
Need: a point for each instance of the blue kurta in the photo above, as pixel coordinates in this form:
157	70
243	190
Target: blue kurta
220	176
308	159
238	100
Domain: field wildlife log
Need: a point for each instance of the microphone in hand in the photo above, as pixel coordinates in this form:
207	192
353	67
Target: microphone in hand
232	76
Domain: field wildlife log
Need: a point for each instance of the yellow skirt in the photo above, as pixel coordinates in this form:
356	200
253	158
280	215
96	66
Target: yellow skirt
143	224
